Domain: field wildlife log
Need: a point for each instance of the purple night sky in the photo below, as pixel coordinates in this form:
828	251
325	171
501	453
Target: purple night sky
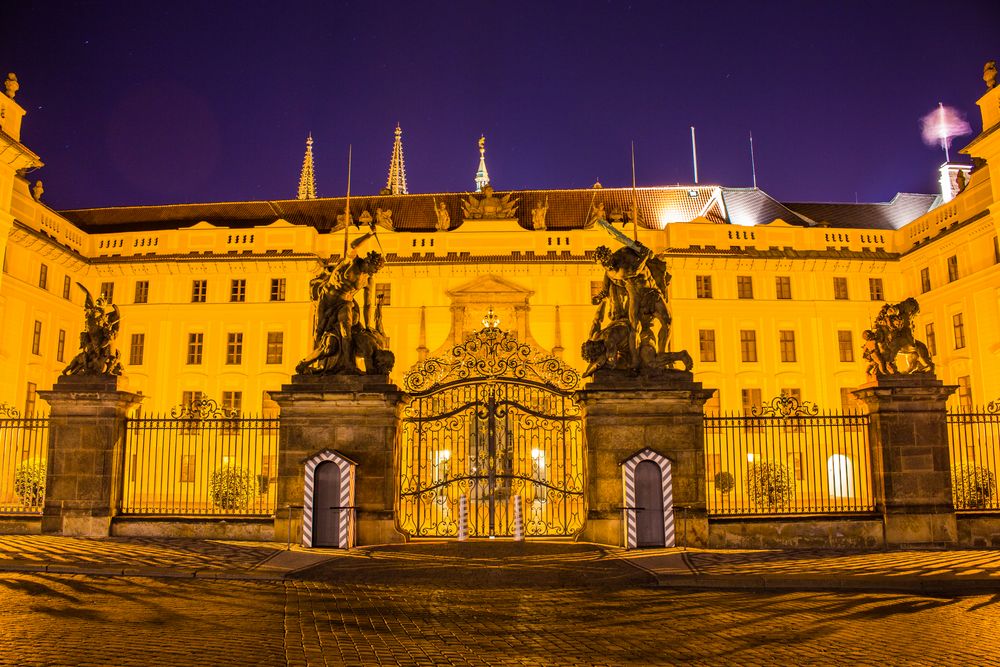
212	101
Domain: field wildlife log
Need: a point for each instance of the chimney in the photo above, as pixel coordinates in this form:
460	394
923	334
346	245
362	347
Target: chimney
953	178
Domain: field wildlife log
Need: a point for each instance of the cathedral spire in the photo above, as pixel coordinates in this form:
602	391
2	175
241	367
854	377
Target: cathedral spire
396	185
482	176
307	180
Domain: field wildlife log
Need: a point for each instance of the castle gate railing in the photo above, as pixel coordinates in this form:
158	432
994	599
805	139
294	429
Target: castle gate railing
974	443
24	443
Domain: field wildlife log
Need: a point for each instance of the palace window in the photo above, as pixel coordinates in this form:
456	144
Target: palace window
795	463
142	291
952	268
964	391
384	290
703	286
61	346
269	466
108	292
275	342
43	276
875	290
269	408
845	343
196	343
137	349
30	399
958	324
67	286
750	397
786	342
925	280
840	289
187	468
199	291
748	345
840	476
848	403
190	398
783	287
713	406
706	344
744	287
36	338
930	339
234	348
238	290
277	289
232	401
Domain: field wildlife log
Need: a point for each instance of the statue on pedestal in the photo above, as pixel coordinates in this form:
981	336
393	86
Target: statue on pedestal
891	335
441	213
989	74
538	215
11	85
97	355
345	331
632	324
489	207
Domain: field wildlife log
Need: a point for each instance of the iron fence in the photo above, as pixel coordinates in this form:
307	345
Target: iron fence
24	443
785	458
196	464
974	443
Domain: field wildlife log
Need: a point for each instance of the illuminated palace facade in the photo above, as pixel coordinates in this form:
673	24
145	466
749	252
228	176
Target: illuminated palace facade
767	296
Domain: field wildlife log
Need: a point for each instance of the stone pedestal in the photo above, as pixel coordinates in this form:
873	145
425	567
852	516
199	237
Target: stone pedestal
622	415
85	458
911	472
356	415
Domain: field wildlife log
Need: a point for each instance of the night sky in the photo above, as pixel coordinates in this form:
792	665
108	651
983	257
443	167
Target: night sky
143	103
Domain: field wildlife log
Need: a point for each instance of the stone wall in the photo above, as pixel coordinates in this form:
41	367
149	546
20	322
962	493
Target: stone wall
979	530
822	532
211	529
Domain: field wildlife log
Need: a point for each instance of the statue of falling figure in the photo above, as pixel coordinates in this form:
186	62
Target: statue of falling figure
98	354
346	332
631	328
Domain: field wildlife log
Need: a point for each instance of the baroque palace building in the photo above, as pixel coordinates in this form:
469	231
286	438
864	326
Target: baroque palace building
768	296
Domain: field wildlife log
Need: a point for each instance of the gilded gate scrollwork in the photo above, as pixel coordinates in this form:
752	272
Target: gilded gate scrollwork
491	420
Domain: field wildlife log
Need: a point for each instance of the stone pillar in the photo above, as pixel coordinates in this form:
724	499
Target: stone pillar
356	415
911	471
83	483
622	415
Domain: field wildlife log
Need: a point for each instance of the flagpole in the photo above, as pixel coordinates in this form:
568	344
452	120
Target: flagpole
347	205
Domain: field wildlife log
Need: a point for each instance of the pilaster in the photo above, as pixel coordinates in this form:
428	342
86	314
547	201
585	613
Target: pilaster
911	471
623	414
357	416
85	453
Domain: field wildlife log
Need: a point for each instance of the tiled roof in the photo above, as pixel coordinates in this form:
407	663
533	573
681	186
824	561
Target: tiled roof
903	209
750	207
568	209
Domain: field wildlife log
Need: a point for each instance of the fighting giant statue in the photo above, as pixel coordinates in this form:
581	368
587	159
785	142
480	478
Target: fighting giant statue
632	325
346	332
98	354
892	335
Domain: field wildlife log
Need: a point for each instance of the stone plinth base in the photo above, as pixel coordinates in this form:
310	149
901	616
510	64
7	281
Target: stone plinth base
356	416
917	527
86	442
624	414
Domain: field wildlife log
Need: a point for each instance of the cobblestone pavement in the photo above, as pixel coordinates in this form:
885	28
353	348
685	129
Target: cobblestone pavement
190	554
478	604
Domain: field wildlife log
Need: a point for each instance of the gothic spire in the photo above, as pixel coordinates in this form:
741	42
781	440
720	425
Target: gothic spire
307	180
396	185
482	176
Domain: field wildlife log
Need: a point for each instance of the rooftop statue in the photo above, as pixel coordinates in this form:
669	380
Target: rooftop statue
989	74
11	85
892	335
632	324
37	190
489	207
441	213
538	215
596	214
97	355
383	218
345	331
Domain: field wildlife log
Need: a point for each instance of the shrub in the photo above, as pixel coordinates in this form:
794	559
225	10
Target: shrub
29	482
232	487
770	485
724	482
973	486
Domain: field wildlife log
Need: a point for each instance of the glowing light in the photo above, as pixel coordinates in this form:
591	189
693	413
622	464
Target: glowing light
750	457
940	126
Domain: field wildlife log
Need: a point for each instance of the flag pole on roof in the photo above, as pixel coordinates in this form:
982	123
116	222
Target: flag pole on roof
347	204
635	200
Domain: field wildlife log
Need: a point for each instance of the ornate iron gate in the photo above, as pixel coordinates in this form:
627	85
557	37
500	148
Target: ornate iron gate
492	420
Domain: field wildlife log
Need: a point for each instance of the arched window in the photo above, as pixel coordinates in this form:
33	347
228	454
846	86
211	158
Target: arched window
840	474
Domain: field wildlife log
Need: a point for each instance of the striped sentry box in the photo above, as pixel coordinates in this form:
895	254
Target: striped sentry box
518	519
628	479
463	518
345	540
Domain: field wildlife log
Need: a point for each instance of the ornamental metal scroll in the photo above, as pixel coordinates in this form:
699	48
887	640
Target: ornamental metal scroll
9	411
203	408
993	407
785	406
492	354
